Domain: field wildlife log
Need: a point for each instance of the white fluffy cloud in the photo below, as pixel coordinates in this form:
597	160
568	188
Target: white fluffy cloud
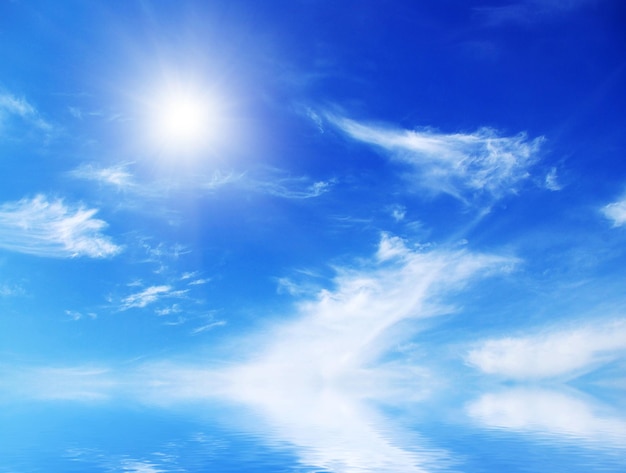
44	227
616	212
552	354
459	164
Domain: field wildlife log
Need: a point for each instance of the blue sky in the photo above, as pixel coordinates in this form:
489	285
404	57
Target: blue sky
356	221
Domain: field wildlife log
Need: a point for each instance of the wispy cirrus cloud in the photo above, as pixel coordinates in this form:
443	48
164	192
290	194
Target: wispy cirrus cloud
12	106
118	175
208	326
616	212
123	178
551	354
149	296
275	182
50	228
459	164
284	189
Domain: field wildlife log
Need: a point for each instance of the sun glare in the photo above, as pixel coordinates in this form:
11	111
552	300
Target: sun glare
183	120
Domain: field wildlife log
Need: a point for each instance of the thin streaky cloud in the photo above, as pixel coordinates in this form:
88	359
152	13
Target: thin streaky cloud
207	327
11	105
292	187
616	212
459	164
273	182
121	177
50	228
117	176
564	352
199	282
17	106
149	296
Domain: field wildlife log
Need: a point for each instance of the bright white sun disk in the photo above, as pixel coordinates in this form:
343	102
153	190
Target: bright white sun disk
184	121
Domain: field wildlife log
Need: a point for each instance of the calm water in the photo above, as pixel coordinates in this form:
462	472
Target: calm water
509	430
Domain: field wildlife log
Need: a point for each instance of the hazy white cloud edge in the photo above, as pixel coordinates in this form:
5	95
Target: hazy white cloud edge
459	164
50	228
549	412
552	354
616	212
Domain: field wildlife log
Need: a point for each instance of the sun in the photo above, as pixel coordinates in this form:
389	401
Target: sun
183	120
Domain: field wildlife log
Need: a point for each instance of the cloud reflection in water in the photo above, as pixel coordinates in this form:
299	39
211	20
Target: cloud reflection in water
317	380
